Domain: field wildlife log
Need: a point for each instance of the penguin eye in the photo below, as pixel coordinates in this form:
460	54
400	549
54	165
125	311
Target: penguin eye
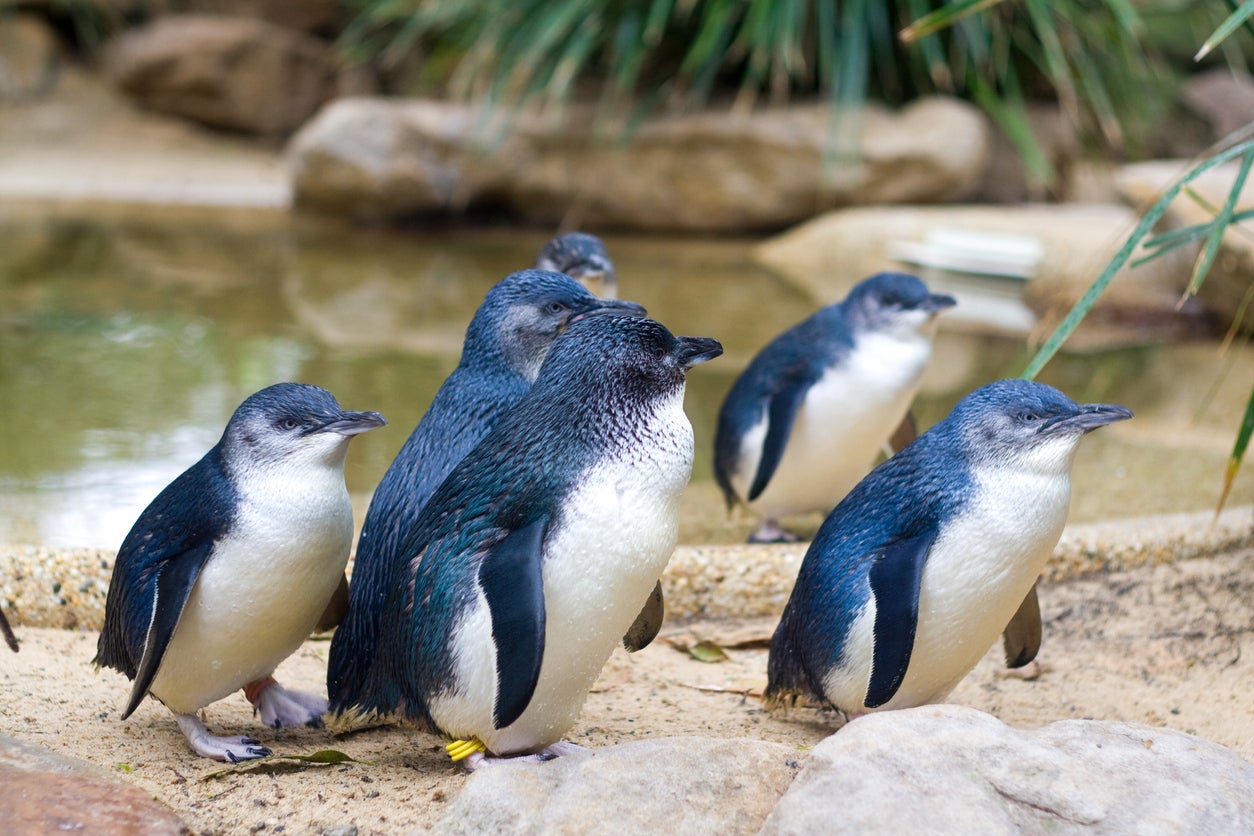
1027	416
555	308
288	423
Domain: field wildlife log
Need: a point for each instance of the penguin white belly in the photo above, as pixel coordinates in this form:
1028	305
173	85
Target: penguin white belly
263	588
977	574
615	533
847	417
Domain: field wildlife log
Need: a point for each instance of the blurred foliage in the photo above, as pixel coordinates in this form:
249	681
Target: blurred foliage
1237	150
1095	57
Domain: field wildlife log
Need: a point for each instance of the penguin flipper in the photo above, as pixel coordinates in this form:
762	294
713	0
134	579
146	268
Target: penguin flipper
780	414
1022	637
895	576
336	609
646	626
511	580
175	579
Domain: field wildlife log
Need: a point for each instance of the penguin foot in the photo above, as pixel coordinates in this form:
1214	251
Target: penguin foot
770	532
472	756
232	749
279	706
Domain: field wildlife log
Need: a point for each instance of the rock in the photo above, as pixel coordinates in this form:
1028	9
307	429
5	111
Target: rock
28	57
715	171
320	16
234	73
949	769
681	785
43	792
1224	99
1006	178
830	253
1227	286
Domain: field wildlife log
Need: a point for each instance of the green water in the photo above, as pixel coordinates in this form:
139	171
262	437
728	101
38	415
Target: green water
127	339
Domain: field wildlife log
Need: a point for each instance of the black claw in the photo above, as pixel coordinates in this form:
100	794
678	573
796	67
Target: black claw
278	724
231	756
249	741
259	751
314	722
543	757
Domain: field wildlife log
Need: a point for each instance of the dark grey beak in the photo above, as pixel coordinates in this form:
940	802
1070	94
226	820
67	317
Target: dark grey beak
354	423
937	302
694	350
621	307
1090	417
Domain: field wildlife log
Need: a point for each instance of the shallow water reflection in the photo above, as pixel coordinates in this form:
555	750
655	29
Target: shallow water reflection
126	340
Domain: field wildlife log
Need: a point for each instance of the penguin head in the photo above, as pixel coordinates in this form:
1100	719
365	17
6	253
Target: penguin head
295	424
636	357
524	313
1027	425
897	303
582	257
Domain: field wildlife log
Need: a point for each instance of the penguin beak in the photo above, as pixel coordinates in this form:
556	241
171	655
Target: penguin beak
353	423
1089	417
694	350
620	307
936	302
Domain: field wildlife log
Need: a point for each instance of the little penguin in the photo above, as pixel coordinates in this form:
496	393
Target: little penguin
914	574
505	343
583	257
228	570
536	554
806	418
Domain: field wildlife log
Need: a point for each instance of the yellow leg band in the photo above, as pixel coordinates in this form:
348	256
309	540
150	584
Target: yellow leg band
462	749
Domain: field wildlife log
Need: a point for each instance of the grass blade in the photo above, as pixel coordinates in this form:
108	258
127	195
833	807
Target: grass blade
1230	25
1238	452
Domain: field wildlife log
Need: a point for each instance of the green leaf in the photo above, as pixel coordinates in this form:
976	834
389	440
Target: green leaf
708	652
1219	226
286	763
1231	24
1238	452
943	17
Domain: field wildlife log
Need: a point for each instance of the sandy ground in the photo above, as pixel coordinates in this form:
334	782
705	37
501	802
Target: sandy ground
1170	645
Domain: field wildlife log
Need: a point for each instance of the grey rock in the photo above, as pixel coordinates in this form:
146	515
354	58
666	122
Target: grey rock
29	59
323	16
1221	97
235	73
375	159
682	785
830	253
43	792
1225	290
950	769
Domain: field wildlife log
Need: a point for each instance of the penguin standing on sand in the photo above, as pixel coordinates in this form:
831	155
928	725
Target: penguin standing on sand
582	257
536	554
806	418
506	342
228	570
915	573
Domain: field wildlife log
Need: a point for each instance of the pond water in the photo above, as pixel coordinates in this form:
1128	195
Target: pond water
128	338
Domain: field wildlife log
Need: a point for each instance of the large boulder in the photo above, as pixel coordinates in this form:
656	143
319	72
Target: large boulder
321	16
240	74
830	253
949	769
677	784
44	792
28	57
709	172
